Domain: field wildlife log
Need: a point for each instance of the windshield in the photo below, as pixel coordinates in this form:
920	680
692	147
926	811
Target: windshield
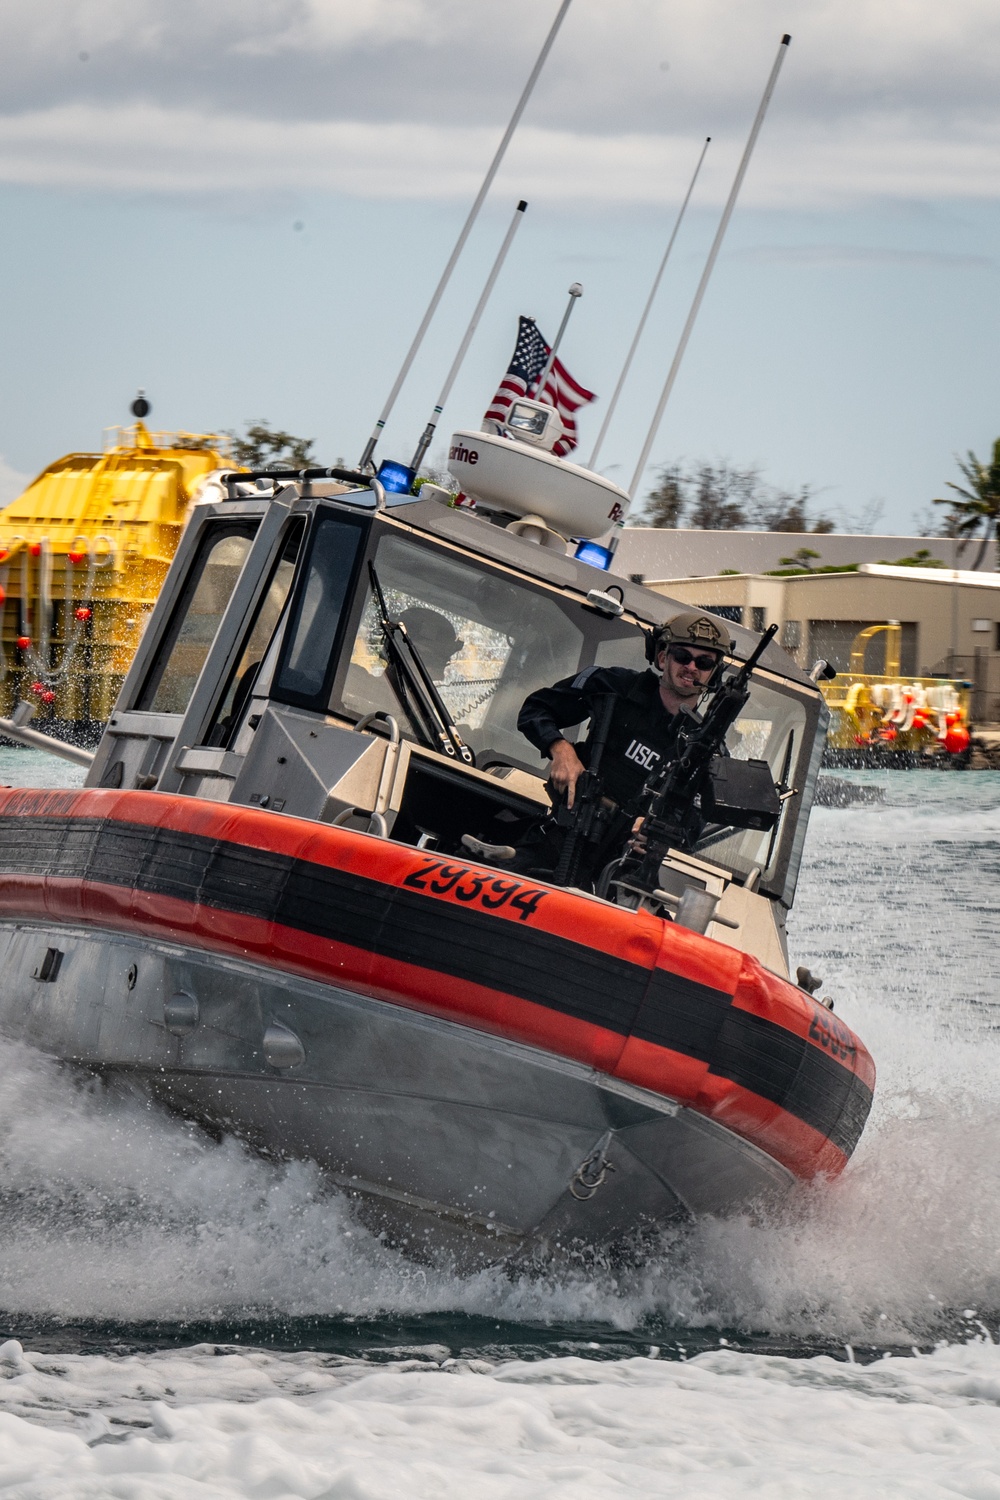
487	640
772	727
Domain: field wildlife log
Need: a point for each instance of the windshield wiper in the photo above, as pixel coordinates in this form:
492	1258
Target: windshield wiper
414	686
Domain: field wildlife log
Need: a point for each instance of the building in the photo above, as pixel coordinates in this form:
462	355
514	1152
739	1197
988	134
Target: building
950	618
666	552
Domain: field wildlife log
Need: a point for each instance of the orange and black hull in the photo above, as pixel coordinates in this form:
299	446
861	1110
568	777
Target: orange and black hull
425	996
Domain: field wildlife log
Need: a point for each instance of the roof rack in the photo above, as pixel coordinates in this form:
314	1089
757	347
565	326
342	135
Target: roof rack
301	476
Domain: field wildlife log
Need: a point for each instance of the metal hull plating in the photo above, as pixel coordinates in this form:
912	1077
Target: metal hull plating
545	1071
451	1139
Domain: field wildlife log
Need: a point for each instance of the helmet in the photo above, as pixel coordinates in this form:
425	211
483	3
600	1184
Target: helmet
691	628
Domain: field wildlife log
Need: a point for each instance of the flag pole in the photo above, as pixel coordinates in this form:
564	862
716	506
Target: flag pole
575	292
427	436
645	313
713	254
487	183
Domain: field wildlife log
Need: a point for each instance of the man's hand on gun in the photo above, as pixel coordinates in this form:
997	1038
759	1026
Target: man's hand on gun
637	840
567	768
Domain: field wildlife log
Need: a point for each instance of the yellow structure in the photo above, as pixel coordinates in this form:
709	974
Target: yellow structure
83	553
915	715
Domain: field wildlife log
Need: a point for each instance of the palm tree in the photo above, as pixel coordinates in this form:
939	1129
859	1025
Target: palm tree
979	504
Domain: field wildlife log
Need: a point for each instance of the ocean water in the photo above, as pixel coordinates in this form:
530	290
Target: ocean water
179	1318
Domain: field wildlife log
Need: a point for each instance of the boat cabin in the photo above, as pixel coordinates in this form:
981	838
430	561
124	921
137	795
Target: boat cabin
263	679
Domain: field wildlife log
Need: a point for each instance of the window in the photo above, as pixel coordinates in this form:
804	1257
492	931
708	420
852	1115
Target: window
758	617
207	590
532	419
487	640
791	635
243	675
623	646
771	728
309	656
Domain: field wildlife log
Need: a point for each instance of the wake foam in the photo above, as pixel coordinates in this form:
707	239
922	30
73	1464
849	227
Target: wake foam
111	1209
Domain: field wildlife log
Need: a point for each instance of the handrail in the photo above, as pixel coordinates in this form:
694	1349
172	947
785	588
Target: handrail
245	476
386	718
36	741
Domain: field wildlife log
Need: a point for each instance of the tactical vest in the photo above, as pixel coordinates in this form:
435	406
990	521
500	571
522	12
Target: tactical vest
642	735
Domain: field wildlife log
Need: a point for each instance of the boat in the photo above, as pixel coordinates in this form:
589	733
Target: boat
83	554
259	906
890	719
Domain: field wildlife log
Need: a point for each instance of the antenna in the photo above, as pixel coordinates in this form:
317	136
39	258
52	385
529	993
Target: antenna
427	436
501	150
575	292
645	313
713	255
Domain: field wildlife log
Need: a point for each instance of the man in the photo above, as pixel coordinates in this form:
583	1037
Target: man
434	636
437	642
644	721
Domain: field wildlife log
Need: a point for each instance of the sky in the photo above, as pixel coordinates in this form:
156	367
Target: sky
244	207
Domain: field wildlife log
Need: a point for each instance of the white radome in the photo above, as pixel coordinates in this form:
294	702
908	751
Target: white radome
504	474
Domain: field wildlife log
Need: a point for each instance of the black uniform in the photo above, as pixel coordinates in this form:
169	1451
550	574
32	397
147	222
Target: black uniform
642	733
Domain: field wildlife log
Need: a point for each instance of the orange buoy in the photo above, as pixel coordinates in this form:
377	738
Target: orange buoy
956	739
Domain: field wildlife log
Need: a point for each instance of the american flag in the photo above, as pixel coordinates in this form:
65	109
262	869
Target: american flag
560	389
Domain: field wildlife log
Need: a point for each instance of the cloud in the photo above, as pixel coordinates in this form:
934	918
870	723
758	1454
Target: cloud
407	98
146	148
448	59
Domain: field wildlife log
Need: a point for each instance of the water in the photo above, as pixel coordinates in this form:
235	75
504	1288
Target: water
194	1315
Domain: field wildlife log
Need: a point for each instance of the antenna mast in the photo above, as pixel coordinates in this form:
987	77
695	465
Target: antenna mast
575	291
427	436
713	255
645	314
501	150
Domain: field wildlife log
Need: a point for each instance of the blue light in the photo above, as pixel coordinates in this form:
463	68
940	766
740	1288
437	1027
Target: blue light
395	479
594	554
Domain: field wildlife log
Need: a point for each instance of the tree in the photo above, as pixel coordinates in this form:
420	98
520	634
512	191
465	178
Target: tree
922	558
978	505
803	559
265	447
785	510
723	497
928	523
664	506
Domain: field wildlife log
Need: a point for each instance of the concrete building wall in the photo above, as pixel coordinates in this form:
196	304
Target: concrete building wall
949	628
662	552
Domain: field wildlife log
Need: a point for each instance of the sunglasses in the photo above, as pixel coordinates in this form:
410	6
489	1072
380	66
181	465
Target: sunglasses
683	657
